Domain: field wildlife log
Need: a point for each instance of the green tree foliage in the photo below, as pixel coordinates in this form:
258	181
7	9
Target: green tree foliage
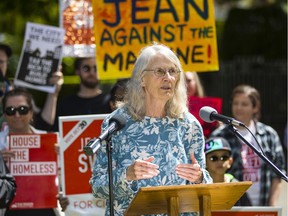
15	14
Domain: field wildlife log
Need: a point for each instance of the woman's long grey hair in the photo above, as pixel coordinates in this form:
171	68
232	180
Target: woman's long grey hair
135	97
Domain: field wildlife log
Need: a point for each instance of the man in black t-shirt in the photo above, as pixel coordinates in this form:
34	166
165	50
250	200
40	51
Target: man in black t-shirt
89	99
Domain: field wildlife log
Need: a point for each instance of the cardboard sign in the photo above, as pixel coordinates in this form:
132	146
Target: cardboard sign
76	171
35	170
40	57
196	103
123	28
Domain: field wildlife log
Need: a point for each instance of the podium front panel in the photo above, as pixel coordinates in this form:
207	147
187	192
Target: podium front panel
155	200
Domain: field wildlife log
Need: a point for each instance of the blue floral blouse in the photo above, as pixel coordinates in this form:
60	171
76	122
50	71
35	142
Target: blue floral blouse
170	141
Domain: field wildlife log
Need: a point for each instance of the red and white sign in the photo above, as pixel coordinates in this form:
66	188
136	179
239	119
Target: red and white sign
249	211
196	103
35	169
76	171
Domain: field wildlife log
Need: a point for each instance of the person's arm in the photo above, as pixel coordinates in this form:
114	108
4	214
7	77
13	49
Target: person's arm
274	191
7	185
195	170
49	110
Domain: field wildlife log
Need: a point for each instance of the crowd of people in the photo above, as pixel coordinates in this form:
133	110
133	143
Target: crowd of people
162	143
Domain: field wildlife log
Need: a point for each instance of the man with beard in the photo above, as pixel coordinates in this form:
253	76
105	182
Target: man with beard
89	99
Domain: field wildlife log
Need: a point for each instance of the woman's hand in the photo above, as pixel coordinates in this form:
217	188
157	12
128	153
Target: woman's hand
142	169
7	154
190	172
63	201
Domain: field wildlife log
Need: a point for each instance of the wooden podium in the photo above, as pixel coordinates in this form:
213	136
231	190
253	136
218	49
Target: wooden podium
173	200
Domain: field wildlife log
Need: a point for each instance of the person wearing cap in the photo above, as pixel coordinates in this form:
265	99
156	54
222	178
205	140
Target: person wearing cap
219	159
247	165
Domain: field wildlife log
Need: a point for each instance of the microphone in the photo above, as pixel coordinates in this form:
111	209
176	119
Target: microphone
116	123
209	114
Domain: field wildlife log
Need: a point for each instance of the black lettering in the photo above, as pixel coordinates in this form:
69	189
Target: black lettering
203	14
135	9
108	59
131	58
118	36
196	53
159	11
106	36
134	34
117	13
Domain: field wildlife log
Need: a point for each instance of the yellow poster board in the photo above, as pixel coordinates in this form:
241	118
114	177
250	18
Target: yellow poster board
124	27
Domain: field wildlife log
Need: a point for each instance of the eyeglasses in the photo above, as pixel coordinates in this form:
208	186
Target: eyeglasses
22	110
161	72
222	158
88	68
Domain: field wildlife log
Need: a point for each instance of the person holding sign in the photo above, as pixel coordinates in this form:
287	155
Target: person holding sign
45	119
89	99
161	143
197	99
194	85
247	165
18	113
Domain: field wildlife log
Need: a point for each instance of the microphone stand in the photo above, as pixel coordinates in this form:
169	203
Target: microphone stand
259	153
111	195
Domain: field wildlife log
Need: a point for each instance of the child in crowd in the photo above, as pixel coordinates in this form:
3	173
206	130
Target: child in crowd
218	160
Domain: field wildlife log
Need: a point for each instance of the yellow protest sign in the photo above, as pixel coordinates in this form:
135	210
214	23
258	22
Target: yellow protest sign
123	27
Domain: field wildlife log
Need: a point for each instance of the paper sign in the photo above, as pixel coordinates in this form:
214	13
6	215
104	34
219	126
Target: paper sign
35	170
196	103
76	171
40	57
123	28
77	20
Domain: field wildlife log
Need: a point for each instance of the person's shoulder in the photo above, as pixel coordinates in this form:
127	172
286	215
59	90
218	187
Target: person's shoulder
189	120
37	131
230	177
222	129
121	113
187	116
263	128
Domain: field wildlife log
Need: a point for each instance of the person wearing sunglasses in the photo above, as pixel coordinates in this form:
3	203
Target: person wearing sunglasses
218	159
18	111
46	117
247	165
161	142
18	114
